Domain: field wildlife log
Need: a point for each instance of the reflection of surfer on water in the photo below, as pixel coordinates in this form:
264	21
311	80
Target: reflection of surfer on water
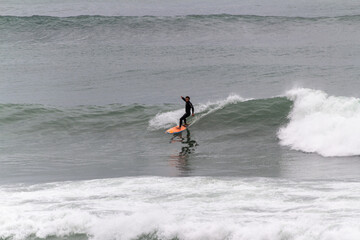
188	147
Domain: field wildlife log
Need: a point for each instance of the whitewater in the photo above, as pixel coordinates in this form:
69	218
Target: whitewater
327	125
181	208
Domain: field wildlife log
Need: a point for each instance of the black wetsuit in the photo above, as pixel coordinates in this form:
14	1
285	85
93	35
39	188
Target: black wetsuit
188	107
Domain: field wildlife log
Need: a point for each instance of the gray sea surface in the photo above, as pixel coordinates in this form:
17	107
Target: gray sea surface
88	88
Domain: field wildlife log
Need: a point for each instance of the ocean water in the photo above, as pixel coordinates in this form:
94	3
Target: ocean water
88	88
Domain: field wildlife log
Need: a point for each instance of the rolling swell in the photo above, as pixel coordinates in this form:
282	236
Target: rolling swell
86	19
134	30
224	114
36	22
34	118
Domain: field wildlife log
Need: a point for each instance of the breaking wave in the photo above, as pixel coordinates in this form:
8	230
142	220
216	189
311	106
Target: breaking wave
305	119
323	124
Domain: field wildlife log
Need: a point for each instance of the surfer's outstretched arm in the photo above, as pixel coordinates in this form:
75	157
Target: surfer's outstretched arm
183	98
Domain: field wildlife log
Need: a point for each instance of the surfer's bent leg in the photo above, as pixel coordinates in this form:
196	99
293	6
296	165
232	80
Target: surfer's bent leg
183	118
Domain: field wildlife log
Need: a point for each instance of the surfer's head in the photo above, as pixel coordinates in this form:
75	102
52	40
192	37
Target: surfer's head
187	98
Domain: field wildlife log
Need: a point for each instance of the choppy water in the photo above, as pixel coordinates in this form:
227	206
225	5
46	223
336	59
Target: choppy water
87	90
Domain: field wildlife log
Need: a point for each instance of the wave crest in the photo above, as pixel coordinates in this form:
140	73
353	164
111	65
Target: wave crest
322	124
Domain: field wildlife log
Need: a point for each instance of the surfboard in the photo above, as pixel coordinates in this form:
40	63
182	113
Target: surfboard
174	130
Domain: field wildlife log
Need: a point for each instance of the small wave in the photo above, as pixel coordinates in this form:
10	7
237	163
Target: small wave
143	22
40	18
133	29
322	124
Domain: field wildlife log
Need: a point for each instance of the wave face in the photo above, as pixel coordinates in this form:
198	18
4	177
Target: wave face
181	208
323	124
233	111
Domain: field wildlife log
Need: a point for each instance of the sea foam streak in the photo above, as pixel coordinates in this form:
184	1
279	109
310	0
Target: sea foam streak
168	119
327	125
186	208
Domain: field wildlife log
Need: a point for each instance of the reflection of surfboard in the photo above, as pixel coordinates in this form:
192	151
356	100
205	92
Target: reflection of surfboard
174	130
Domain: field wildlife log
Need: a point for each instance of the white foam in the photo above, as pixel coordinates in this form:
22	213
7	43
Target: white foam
324	124
171	118
187	208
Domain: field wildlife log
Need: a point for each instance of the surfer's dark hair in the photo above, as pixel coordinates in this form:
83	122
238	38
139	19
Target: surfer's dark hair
187	97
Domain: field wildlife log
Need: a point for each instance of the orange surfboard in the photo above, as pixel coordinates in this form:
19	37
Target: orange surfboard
176	130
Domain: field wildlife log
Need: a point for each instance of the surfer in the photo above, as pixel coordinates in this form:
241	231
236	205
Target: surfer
188	107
